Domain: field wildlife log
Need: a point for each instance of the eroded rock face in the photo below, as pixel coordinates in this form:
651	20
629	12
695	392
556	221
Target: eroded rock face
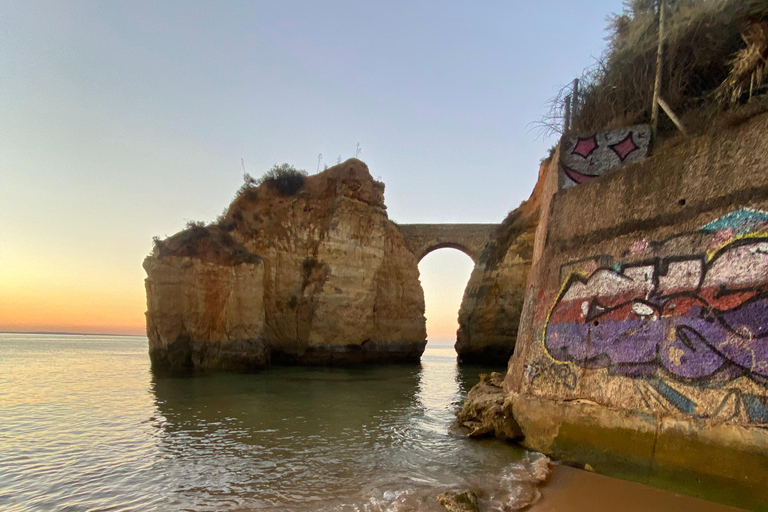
205	303
336	283
493	299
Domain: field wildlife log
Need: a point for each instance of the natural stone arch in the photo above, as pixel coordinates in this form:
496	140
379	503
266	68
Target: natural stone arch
422	239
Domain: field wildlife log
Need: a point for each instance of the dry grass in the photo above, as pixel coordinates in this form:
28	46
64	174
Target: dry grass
702	38
748	67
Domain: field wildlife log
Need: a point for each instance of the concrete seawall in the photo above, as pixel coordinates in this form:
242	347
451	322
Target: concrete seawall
643	343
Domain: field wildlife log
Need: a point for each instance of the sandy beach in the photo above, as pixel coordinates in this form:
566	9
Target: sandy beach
575	490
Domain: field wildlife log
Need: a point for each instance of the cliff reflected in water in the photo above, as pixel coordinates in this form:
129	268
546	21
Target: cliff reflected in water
294	438
87	426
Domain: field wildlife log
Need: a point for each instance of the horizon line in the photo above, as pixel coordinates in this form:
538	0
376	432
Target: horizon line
71	333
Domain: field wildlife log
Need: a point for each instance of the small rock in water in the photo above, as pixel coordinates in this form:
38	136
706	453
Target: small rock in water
459	501
539	469
518	488
522	497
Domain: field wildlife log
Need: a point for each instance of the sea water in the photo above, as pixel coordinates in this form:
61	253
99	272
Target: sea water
85	425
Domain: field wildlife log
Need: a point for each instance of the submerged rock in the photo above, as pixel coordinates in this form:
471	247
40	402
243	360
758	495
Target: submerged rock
318	277
458	501
519	486
485	411
515	488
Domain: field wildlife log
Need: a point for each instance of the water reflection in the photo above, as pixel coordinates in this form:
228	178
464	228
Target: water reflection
284	436
294	438
86	426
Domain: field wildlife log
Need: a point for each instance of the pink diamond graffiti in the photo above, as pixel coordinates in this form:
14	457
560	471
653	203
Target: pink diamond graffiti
624	148
586	158
585	147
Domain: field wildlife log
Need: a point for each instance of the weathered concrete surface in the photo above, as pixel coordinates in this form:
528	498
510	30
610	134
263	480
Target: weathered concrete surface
421	239
493	299
334	283
642	349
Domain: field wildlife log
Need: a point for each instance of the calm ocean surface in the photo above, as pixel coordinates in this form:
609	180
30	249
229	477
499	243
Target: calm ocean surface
86	426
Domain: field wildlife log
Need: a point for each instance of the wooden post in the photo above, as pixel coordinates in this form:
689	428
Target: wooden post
567	117
575	102
659	66
663	104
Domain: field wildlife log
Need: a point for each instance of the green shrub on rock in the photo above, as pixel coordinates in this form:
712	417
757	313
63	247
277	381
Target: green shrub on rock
285	178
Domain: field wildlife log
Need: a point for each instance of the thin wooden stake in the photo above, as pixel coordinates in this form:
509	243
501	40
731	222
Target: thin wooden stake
663	104
659	66
567	120
575	103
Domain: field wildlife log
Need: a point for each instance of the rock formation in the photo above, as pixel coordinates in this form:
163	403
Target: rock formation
493	299
458	501
515	488
319	277
205	302
486	412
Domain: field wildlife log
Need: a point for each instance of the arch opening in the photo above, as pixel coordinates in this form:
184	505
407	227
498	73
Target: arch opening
446	245
444	275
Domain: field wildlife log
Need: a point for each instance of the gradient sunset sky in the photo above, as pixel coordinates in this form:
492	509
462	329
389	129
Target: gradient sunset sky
119	121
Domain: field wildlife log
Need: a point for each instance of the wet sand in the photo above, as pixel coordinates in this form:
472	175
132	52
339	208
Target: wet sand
575	490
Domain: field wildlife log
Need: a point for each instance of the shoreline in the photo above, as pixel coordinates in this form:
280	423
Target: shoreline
569	489
63	333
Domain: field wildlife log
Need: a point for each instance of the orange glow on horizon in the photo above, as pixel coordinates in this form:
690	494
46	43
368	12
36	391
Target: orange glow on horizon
96	310
80	322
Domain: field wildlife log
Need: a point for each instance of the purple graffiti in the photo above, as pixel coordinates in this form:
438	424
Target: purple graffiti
694	318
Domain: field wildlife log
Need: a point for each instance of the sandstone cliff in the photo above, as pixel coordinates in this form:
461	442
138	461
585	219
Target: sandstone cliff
204	302
319	277
493	299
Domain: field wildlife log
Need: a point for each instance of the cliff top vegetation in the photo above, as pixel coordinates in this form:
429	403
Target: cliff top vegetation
715	58
210	243
284	177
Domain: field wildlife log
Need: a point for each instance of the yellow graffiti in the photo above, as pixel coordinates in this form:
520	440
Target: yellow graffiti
712	253
560	293
676	355
740	344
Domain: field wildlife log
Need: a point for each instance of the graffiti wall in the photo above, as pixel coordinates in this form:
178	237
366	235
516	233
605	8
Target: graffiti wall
584	158
684	321
643	341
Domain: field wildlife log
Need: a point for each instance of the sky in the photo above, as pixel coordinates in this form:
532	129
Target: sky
120	121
